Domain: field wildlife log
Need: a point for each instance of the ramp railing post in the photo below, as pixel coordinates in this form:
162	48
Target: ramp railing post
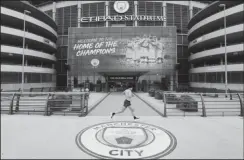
241	105
11	104
17	102
86	103
46	113
203	106
82	104
165	105
230	94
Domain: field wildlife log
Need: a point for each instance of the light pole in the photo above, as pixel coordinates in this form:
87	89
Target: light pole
226	79
23	54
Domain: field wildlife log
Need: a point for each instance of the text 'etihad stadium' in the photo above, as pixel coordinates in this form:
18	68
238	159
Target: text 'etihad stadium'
122	18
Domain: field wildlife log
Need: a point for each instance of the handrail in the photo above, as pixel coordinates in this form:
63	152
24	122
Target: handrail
241	105
203	106
60	102
11	104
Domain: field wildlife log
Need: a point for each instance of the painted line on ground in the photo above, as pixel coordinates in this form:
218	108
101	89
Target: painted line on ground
148	104
96	104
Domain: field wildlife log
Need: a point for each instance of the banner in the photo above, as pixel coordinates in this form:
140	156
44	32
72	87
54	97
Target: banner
122	49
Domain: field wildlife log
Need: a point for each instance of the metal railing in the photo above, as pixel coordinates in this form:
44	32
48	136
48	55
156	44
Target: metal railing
196	104
45	103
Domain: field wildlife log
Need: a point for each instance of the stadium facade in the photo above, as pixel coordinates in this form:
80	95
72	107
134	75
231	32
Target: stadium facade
206	38
40	46
136	23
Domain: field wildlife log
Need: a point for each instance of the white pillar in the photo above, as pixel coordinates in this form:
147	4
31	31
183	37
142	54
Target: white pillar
136	6
164	13
54	10
26	61
190	9
79	13
106	6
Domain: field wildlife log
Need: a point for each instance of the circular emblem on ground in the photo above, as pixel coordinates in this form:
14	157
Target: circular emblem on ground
121	6
94	62
126	140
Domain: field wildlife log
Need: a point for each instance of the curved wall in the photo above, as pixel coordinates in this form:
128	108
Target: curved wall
206	38
40	47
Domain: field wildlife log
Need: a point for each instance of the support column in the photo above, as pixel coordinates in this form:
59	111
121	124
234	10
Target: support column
221	61
26	61
136	6
190	9
106	14
171	82
72	81
79	13
176	79
222	75
205	77
54	10
164	13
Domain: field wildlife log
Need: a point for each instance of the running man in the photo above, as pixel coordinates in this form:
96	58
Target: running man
128	95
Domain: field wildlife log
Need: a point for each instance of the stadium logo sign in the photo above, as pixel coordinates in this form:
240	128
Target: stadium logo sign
94	62
121	6
126	140
121	18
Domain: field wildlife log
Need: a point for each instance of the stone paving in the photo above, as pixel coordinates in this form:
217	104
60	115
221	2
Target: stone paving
36	136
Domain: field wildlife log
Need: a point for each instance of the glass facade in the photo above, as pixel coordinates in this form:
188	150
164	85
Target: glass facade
176	15
135	51
217	77
15	78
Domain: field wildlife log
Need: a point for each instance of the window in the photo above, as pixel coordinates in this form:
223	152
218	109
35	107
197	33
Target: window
10	77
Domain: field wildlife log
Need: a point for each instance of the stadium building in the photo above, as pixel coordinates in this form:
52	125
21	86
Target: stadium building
106	44
206	36
39	34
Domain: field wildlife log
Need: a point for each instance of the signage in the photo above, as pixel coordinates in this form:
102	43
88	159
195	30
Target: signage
122	78
126	140
122	49
121	6
94	62
122	18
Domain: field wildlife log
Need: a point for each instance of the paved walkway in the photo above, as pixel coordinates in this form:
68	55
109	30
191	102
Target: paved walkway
33	136
115	101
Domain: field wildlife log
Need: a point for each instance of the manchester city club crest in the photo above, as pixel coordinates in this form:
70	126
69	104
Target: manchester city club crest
126	140
94	62
121	6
